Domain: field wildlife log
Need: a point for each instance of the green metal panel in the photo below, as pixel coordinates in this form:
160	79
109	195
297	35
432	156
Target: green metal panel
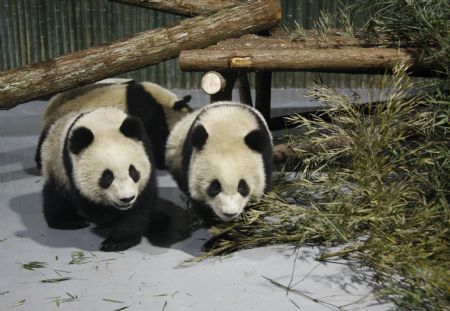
37	30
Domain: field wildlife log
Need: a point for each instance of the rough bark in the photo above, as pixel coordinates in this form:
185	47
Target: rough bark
352	59
184	7
280	39
140	50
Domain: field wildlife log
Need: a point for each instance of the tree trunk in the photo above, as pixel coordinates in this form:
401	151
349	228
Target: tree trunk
184	7
364	60
140	50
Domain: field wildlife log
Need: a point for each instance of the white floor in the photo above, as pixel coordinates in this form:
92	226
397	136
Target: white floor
148	276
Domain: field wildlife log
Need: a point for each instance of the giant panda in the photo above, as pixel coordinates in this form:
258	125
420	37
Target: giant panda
158	108
98	167
221	156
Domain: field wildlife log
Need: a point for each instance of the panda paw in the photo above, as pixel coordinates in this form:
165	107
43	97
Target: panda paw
112	245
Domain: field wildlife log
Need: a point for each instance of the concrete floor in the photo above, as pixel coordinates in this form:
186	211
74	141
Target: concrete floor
148	276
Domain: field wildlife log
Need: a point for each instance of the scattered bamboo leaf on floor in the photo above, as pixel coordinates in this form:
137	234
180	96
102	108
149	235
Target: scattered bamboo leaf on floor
34	265
58	300
55	280
21	302
112	300
295	291
79	258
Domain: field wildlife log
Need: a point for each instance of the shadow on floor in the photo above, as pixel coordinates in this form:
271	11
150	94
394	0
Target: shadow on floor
170	227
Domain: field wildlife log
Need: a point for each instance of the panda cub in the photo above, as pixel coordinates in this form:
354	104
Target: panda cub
98	167
221	156
158	108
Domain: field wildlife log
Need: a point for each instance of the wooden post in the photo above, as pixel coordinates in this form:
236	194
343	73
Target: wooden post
245	94
140	50
263	85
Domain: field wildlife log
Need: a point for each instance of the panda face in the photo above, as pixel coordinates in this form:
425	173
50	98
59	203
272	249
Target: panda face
227	186
227	205
110	165
120	191
226	182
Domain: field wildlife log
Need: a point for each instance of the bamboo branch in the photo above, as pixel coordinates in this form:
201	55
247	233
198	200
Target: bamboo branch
140	50
184	7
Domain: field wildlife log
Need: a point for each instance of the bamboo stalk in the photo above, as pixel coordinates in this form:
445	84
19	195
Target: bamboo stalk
137	51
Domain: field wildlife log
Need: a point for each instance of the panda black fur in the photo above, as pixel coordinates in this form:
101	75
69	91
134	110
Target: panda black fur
98	168
221	156
158	108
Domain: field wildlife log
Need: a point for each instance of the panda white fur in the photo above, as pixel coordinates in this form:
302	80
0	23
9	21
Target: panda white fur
158	108
98	168
221	156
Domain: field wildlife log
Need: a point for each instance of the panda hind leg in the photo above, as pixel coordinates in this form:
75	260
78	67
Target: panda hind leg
59	211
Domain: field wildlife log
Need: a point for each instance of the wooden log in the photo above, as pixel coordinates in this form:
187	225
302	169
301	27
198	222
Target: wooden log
279	39
140	50
184	7
213	82
282	152
364	60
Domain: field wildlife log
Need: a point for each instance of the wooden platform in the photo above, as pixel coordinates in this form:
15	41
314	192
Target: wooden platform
279	51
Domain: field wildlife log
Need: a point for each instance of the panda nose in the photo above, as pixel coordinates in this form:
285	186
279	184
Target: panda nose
127	200
230	215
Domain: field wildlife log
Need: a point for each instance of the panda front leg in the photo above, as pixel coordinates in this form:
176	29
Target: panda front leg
59	210
129	230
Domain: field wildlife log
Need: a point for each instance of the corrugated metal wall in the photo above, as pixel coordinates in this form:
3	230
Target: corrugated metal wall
36	30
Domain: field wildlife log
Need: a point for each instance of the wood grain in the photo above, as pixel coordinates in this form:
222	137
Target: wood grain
140	50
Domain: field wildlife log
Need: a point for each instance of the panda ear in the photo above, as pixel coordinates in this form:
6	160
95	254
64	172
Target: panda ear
199	136
132	127
256	140
81	138
182	103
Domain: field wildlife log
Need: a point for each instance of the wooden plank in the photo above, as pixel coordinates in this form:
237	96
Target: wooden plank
137	51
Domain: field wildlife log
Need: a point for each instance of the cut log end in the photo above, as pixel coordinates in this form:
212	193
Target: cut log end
213	82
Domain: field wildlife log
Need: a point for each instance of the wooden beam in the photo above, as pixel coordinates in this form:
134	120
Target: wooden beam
140	50
347	59
184	7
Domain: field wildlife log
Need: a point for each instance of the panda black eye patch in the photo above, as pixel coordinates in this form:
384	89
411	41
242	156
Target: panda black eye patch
214	188
134	173
106	179
243	188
